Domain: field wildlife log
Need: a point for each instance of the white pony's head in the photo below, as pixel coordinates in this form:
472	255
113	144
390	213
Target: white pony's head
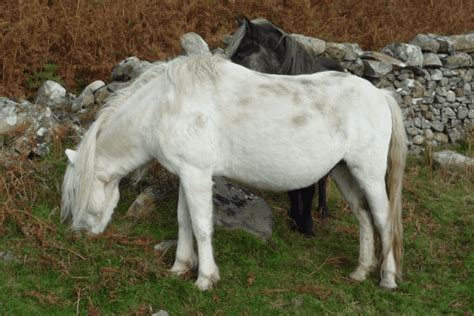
89	192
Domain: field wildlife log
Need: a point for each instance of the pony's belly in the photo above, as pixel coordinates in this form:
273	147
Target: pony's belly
281	177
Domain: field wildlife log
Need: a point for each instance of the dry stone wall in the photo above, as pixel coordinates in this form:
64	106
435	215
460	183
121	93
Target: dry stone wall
432	77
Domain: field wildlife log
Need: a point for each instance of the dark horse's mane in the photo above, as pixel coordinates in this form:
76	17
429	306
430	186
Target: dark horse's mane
300	59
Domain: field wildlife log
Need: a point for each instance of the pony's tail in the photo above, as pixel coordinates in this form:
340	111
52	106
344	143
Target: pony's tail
394	180
79	177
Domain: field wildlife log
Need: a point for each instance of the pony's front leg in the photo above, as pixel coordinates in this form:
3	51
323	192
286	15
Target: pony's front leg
186	258
198	191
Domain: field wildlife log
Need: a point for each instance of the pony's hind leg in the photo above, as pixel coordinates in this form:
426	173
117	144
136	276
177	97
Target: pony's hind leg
186	258
372	181
358	204
197	186
322	197
300	209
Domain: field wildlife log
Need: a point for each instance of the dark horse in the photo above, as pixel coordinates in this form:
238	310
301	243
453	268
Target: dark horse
261	46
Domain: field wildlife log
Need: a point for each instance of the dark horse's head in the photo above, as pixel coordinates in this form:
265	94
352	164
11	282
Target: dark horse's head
261	46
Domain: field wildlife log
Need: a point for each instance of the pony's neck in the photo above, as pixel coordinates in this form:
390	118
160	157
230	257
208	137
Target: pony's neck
119	149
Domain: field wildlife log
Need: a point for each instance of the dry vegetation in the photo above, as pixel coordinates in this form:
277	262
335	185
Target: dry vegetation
86	38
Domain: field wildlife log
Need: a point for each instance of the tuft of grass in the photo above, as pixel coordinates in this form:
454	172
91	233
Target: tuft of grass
48	72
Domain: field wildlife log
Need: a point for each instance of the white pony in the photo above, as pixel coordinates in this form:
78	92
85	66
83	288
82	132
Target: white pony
203	116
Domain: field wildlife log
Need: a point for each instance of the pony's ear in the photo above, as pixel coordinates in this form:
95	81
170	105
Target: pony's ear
247	23
239	20
71	155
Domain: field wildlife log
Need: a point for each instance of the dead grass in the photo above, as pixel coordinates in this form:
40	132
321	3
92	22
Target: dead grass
86	38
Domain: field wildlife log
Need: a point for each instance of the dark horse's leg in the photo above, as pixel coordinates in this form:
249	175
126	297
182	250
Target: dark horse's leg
322	204
300	209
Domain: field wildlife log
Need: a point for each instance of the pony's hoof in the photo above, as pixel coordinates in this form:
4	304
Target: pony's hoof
205	283
324	211
181	267
308	233
388	284
358	275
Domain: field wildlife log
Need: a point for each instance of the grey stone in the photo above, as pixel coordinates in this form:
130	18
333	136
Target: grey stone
455	135
341	51
145	203
431	60
7	256
129	69
440	137
442	91
426	42
467	88
413	131
237	208
418	91
11	115
408	83
464	42
317	45
376	69
438	126
440	99
86	98
449	72
428	134
356	67
471	114
50	94
418	140
408	53
160	313
455	122
371	55
425	124
450	96
458	59
436	74
445	44
444	82
417	122
451	159
193	44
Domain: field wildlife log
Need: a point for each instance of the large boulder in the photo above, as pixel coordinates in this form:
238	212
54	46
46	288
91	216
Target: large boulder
86	98
411	54
11	115
51	94
376	68
451	159
129	69
464	42
457	60
234	207
238	208
317	45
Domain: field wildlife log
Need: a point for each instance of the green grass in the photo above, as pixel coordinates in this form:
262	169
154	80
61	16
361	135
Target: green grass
56	272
